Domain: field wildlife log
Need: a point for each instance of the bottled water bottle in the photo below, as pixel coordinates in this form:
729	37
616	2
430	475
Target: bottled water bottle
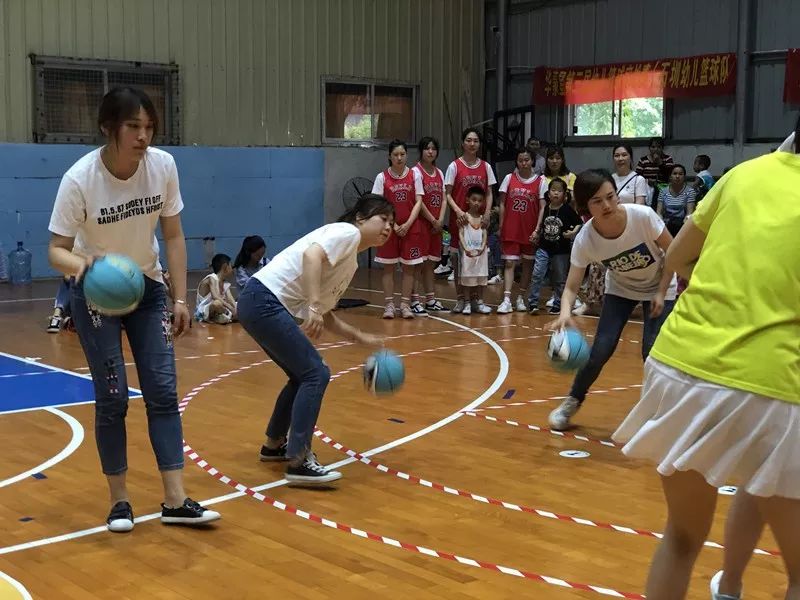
20	265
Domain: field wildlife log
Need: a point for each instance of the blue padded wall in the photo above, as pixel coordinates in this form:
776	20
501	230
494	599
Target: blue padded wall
228	193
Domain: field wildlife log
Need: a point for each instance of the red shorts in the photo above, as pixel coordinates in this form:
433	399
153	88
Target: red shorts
433	244
515	251
453	228
409	250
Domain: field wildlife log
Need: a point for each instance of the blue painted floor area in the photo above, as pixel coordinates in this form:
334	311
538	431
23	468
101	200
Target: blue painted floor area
27	385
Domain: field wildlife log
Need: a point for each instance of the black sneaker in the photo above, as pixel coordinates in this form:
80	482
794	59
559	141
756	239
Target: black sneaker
54	326
120	519
554	311
190	513
273	454
310	473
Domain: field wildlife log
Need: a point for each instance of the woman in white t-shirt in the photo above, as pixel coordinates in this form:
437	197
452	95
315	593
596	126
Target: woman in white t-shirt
305	281
630	241
632	188
111	201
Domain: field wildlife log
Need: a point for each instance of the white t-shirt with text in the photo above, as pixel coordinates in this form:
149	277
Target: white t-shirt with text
107	215
283	275
634	260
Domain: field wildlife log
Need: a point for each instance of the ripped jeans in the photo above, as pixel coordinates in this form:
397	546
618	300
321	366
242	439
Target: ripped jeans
149	333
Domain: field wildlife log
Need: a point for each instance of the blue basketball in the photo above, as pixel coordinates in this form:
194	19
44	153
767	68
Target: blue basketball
384	373
567	350
114	285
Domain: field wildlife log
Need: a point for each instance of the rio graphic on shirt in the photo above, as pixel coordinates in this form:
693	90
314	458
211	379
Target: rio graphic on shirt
639	257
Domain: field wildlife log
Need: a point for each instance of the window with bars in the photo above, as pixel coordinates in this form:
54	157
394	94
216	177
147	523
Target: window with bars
365	111
68	91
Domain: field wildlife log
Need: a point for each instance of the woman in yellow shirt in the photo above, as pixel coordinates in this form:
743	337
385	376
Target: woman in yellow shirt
721	396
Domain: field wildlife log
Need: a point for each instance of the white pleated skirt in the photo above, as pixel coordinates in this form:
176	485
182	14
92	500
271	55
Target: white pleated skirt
730	436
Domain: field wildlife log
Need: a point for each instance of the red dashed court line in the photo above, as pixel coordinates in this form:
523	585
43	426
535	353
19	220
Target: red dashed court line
555	581
495	502
539	401
203	464
323	345
563	434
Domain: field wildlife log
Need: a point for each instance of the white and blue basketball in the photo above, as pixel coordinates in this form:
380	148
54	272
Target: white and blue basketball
567	350
114	285
384	373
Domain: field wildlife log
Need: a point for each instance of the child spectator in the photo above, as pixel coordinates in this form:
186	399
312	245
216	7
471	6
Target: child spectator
474	259
704	180
215	303
560	226
250	259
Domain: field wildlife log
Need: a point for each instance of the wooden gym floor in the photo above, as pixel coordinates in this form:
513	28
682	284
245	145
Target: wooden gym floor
442	504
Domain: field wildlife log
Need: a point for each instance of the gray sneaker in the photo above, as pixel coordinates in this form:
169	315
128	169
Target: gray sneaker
559	418
459	307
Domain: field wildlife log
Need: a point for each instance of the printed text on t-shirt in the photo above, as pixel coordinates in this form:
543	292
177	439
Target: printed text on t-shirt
133	208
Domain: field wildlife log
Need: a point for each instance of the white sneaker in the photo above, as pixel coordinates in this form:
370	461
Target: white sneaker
505	306
715	595
442	269
521	305
579	308
451	277
459	307
550	303
467	310
559	418
481	308
495	280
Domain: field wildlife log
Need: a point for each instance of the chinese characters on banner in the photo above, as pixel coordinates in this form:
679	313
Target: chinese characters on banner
690	77
791	85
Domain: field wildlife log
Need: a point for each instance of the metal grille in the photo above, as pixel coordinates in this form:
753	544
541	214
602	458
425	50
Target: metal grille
68	92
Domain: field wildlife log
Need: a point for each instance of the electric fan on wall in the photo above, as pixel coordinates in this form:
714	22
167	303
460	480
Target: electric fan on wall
352	190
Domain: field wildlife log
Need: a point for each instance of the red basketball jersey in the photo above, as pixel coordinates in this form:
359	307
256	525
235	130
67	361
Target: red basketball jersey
400	192
467	177
521	210
433	186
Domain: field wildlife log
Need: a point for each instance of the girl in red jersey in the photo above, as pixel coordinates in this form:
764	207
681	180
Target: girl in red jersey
433	221
463	173
521	212
403	188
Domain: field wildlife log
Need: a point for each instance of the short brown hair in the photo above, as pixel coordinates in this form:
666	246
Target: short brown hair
586	186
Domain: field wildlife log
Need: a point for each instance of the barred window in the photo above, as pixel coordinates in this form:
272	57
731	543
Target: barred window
356	111
68	91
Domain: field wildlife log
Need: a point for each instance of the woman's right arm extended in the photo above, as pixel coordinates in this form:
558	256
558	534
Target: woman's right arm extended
62	259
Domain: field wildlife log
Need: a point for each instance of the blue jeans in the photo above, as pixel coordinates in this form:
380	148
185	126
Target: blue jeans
614	315
296	410
559	268
63	297
495	262
149	333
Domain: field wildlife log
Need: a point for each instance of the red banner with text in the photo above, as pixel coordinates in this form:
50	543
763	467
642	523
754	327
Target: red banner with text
791	86
690	77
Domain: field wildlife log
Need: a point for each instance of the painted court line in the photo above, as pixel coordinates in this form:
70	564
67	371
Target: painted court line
74	443
555	581
562	434
59	370
501	376
325	438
